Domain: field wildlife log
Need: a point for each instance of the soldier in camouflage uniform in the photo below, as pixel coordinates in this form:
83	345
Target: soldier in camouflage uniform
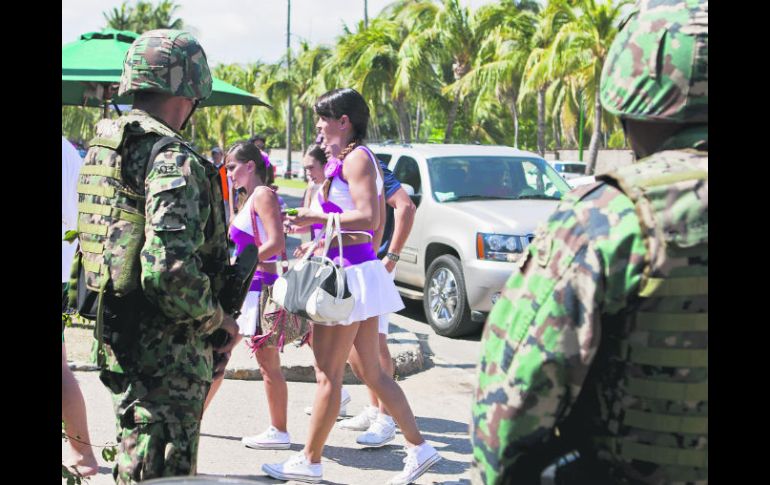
153	252
599	344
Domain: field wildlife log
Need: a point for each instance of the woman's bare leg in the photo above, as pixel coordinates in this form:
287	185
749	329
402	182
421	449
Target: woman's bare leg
216	383
275	385
331	345
73	413
365	357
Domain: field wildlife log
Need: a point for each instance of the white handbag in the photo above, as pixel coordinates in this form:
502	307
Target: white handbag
315	288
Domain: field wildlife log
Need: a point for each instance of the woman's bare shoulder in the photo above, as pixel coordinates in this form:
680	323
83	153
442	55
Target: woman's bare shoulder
357	162
265	195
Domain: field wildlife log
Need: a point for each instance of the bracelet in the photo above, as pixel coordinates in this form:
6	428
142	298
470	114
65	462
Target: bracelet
393	257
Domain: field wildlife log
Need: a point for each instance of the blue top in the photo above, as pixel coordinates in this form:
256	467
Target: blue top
390	181
391	185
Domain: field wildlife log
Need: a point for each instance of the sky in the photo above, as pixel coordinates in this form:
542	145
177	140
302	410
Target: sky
242	31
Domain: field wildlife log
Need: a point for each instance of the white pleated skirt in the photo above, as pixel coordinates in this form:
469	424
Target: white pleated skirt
247	321
373	290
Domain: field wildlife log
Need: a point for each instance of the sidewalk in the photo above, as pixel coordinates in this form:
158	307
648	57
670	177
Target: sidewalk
297	363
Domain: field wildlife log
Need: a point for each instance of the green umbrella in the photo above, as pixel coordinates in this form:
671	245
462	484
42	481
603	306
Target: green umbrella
91	68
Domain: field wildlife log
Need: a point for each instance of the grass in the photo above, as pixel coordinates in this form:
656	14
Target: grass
290	183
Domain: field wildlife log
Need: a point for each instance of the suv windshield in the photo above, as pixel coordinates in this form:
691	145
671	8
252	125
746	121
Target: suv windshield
488	177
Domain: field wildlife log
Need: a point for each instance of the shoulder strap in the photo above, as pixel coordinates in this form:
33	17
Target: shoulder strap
157	148
377	167
254	227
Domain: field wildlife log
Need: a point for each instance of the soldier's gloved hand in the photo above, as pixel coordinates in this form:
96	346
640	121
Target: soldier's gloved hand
222	353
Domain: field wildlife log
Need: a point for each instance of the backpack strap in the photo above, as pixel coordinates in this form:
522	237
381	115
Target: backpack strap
157	148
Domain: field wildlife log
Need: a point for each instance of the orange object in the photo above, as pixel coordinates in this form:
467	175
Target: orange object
223	176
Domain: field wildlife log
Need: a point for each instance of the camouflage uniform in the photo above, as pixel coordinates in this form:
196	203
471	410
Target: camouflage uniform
154	243
599	342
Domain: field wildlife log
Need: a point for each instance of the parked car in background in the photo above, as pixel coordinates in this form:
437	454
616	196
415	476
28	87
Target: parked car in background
573	172
584	180
477	210
568	169
280	167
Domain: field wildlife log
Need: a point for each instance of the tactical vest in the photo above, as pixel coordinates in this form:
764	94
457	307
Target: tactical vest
110	217
653	386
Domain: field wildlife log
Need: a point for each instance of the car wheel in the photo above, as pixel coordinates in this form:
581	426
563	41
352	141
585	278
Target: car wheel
444	299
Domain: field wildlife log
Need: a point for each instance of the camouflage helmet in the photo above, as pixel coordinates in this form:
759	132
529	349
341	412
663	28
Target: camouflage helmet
166	61
657	67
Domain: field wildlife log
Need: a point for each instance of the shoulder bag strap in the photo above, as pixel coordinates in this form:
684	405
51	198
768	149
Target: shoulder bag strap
255	227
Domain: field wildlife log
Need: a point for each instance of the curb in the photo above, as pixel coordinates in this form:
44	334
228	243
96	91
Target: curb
404	346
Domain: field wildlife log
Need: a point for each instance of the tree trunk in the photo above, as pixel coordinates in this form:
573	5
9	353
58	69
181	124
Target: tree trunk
593	147
541	122
515	115
404	128
288	139
417	124
304	130
451	119
557	132
375	128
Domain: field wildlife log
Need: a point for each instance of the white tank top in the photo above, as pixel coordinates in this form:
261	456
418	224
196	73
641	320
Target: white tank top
339	191
242	222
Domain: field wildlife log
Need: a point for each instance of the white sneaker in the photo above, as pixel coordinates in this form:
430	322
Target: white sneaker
272	439
381	431
297	467
362	421
344	401
418	460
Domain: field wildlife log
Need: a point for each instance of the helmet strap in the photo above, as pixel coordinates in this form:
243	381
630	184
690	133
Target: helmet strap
195	106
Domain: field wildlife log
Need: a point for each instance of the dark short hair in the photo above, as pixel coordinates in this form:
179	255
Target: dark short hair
257	138
345	101
316	152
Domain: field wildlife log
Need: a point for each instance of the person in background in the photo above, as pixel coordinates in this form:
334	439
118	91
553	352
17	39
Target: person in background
218	159
73	408
376	422
248	170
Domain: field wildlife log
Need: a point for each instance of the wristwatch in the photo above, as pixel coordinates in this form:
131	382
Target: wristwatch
393	257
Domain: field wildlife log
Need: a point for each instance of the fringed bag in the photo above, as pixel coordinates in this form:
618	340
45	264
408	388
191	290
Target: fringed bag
277	326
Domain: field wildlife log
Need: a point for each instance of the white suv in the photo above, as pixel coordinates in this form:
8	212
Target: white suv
477	209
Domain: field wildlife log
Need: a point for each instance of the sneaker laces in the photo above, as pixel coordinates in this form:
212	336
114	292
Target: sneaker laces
297	459
410	461
377	427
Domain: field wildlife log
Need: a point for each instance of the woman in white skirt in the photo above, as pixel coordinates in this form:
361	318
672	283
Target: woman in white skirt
247	168
353	188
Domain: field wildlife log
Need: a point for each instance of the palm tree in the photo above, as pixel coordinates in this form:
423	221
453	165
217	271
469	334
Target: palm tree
499	63
579	50
144	16
308	80
368	61
415	77
539	71
119	19
163	14
453	38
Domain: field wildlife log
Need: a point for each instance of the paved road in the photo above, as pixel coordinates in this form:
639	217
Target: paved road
440	398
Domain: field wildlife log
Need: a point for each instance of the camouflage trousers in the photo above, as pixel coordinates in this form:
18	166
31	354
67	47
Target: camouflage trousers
158	425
